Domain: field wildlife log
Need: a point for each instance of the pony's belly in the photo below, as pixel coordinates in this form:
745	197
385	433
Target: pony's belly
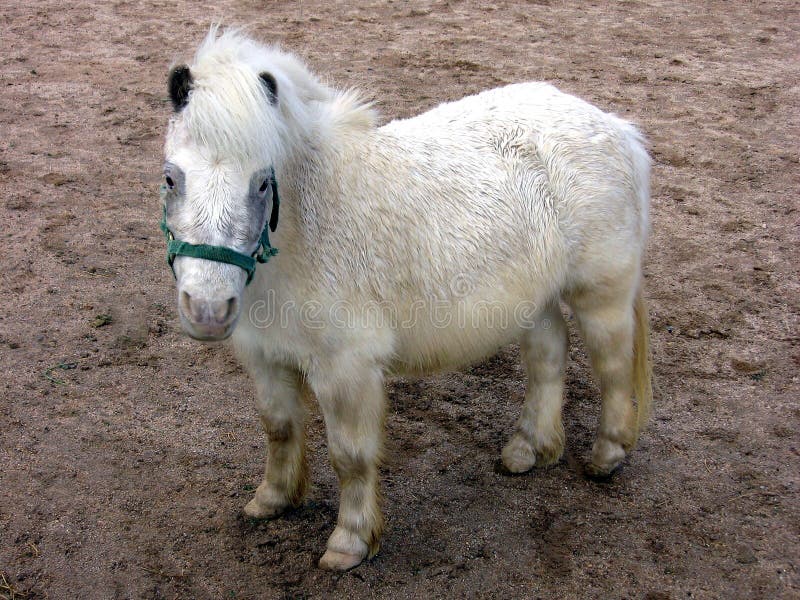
407	335
456	334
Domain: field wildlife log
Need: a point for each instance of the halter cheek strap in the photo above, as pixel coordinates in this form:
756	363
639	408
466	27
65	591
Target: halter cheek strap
263	252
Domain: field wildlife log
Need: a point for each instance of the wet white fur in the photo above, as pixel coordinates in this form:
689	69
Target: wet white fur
512	198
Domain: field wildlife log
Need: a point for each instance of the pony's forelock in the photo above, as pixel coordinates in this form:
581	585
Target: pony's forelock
229	112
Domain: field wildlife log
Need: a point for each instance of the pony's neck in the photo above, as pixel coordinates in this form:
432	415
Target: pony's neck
310	176
329	130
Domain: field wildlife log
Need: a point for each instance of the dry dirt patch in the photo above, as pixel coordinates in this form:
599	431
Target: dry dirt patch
127	451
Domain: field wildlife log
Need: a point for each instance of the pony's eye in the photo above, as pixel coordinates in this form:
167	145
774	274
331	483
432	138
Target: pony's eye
170	183
264	186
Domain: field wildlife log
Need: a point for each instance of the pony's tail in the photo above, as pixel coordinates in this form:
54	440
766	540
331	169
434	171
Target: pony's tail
642	363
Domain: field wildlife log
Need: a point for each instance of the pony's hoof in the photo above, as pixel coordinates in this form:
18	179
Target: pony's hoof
345	551
518	455
600	473
262	510
607	456
339	561
267	503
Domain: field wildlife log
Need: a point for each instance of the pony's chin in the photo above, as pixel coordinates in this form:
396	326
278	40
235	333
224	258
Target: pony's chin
207	333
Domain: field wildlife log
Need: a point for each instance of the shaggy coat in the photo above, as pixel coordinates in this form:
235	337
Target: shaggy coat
424	244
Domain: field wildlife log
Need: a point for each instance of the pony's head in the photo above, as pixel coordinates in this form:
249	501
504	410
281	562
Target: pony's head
235	107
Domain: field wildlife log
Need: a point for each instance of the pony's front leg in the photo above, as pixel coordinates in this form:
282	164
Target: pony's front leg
354	418
283	419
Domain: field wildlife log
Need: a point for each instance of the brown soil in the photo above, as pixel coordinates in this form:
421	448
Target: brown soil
127	450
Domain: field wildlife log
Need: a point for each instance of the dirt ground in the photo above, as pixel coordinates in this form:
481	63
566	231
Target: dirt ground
127	450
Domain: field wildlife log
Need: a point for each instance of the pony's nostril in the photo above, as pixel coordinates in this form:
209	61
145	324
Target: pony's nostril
227	310
233	307
186	305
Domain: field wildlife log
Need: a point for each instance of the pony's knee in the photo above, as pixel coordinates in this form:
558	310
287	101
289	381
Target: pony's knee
352	463
278	402
279	430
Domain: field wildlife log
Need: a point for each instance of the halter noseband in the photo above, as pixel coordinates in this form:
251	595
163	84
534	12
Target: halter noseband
263	252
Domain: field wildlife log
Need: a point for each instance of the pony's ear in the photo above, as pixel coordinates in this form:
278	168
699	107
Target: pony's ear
180	83
272	86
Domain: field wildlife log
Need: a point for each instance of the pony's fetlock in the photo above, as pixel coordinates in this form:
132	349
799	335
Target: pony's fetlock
547	455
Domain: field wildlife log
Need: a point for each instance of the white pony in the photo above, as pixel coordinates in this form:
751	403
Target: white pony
421	245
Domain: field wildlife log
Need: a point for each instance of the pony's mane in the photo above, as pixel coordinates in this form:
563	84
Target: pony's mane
229	110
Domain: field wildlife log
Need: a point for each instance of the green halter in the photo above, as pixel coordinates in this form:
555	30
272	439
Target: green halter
262	253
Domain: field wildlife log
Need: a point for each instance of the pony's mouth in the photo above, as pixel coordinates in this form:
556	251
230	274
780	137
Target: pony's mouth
204	332
208	321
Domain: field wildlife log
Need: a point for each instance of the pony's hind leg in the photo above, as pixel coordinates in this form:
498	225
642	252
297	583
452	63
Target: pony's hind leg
605	317
539	439
354	420
282	417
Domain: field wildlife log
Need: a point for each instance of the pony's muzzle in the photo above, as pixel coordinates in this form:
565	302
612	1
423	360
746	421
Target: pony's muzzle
208	319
